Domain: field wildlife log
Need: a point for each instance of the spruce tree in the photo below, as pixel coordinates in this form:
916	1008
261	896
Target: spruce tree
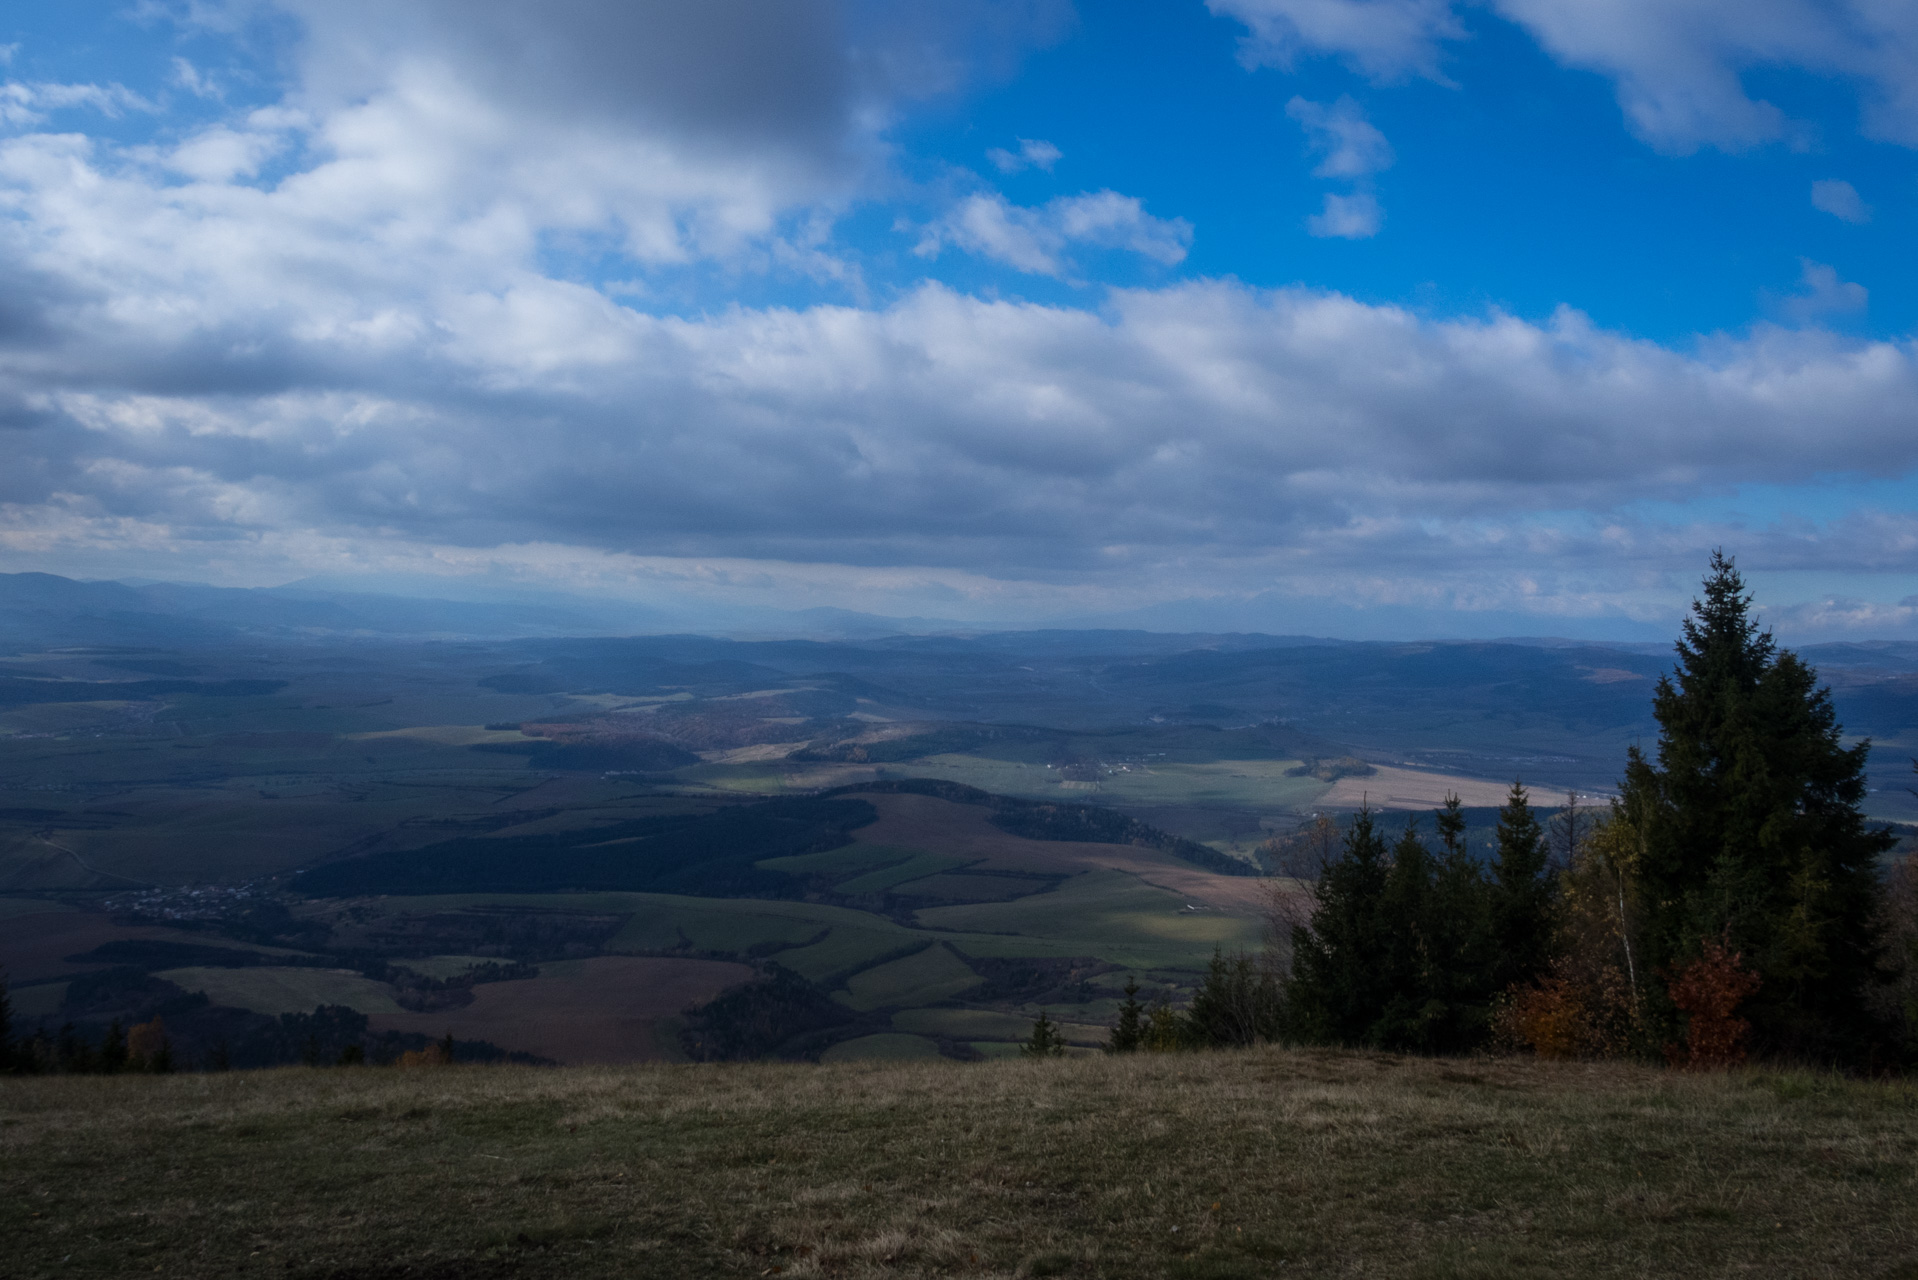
1412	974
1752	832
1521	896
1046	1042
1463	946
1340	980
113	1050
1128	1034
1236	1006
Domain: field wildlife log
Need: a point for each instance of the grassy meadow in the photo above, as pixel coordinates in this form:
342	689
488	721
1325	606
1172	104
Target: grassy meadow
1255	1163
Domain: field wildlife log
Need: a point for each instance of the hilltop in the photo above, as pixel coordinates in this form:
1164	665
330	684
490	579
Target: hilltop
1237	1164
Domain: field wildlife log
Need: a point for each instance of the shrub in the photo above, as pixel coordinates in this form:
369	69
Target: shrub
1708	992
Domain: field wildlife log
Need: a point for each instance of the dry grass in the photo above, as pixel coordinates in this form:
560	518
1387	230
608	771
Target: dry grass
1264	1163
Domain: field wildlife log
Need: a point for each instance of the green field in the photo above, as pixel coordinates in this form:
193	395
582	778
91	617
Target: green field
1114	915
276	991
1222	1166
925	977
886	1046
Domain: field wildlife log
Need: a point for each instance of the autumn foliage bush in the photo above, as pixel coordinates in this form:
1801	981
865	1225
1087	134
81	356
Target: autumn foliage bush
1708	992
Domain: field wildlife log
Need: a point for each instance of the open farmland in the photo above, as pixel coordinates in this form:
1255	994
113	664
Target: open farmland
343	817
1221	1165
607	1009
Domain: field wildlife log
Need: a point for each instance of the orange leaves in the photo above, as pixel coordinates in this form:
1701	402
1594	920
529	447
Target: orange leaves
1708	992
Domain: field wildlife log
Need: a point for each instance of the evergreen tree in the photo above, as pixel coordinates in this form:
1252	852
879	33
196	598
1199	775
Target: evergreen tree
1751	830
1128	1034
1340	979
1411	974
1236	1006
1046	1042
1521	896
1463	947
113	1050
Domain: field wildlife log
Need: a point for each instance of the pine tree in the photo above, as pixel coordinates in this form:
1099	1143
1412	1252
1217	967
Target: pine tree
1236	1006
1340	979
1752	834
1411	975
1046	1042
1128	1034
1521	896
113	1050
1461	938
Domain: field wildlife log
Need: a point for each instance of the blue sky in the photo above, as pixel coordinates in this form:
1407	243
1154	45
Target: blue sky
1353	316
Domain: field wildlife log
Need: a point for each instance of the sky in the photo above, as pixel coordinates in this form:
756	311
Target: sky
1370	318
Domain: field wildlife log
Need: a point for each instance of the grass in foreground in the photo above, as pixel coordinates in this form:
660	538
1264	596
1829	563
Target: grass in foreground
1258	1163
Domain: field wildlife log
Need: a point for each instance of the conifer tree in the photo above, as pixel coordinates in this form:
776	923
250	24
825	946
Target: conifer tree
1340	979
113	1050
1237	1005
1521	896
1046	1042
1461	938
1128	1034
1751	830
1412	973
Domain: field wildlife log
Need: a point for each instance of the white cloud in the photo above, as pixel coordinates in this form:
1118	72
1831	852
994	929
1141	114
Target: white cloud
30	104
1824	294
364	362
1384	39
1351	145
1840	200
1032	154
1039	240
1353	217
190	78
1678	67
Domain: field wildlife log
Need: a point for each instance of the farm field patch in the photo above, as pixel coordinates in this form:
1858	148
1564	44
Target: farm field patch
608	1009
274	991
885	1046
925	977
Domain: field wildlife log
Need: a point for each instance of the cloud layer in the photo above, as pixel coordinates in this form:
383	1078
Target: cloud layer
342	332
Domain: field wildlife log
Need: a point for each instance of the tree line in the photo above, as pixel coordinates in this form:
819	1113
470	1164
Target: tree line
1731	901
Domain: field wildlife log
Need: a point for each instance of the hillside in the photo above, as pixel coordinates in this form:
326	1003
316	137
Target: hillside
1259	1163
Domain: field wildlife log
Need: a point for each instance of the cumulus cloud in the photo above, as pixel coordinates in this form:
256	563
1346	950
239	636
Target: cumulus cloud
1351	146
31	104
1032	154
1678	69
365	362
1353	217
1823	293
1038	240
1384	39
1841	200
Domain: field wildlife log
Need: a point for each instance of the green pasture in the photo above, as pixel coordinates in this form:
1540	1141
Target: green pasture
848	860
963	888
887	1046
964	1024
925	977
276	991
1110	914
917	867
